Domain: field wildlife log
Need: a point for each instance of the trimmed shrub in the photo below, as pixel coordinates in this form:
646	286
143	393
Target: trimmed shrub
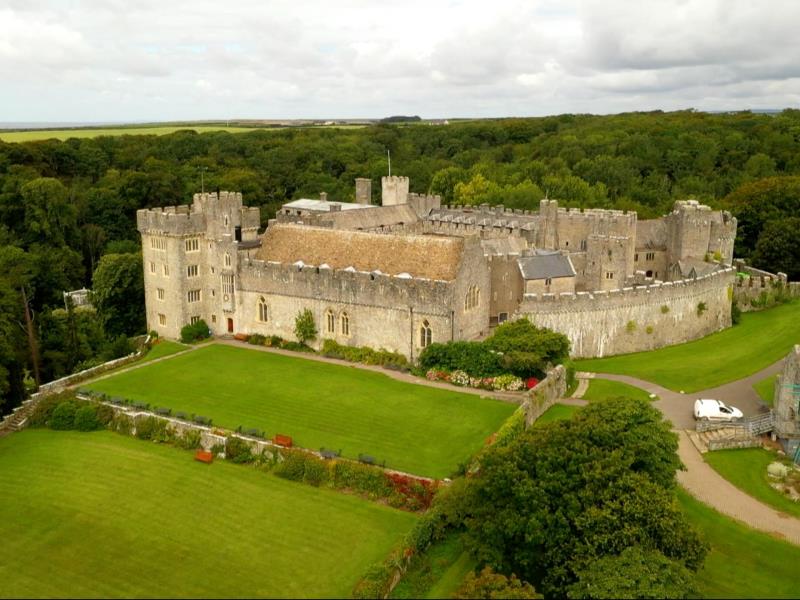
296	347
190	440
293	465
274	341
256	339
237	450
150	428
473	357
195	332
316	471
86	418
44	408
362	478
63	417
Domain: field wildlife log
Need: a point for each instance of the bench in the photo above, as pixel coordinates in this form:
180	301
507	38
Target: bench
282	440
204	456
328	453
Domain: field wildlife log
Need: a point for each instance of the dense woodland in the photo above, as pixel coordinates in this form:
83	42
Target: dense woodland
67	209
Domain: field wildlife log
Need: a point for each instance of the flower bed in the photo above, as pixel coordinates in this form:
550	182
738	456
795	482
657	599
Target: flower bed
507	382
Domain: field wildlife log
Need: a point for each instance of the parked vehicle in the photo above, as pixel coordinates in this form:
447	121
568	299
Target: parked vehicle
715	410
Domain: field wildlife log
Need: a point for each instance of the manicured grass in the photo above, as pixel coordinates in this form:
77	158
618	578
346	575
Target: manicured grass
65	134
766	389
103	515
759	340
747	470
557	412
601	389
164	348
437	573
415	428
743	563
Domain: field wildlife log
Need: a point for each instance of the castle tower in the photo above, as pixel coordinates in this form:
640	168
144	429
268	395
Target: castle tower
547	236
190	261
363	190
394	190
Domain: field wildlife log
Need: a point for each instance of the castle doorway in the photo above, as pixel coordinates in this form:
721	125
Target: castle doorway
230	325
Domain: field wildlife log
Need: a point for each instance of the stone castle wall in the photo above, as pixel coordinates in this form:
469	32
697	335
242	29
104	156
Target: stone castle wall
634	319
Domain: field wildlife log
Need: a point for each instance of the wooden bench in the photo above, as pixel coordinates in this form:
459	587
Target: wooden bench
204	456
282	440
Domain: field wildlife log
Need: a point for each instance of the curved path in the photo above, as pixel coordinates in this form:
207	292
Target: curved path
699	479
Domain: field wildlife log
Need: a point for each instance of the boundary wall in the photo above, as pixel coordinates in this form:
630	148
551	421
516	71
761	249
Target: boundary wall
635	319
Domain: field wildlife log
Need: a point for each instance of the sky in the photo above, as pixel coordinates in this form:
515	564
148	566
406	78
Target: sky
147	60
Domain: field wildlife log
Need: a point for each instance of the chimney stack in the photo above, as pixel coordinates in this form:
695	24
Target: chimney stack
363	190
323	196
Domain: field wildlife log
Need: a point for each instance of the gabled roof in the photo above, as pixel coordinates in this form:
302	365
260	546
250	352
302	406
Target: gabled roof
545	265
323	205
426	256
377	216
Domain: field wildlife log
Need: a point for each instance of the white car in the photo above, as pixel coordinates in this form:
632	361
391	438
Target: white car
715	410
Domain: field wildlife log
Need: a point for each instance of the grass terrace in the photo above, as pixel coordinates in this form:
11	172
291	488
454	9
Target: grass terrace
743	563
760	339
414	428
602	389
557	412
102	515
747	469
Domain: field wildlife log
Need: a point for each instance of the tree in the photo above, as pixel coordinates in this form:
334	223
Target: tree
777	249
49	216
567	493
118	293
526	349
493	586
635	573
304	327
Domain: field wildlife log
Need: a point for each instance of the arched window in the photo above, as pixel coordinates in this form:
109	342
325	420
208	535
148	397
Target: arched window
227	259
472	298
263	310
344	321
330	322
425	334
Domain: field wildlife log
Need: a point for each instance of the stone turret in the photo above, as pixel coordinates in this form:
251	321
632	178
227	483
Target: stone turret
394	190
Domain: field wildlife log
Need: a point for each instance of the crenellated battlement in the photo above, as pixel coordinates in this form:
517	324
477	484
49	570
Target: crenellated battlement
170	221
648	293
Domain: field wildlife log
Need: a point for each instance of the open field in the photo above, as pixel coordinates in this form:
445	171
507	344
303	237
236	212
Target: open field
601	389
766	389
102	515
415	428
743	563
65	134
761	339
747	470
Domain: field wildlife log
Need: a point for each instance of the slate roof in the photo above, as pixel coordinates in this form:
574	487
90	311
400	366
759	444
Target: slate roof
428	256
545	265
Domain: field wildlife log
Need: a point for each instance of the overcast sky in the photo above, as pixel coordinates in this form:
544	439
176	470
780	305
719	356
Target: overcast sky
134	60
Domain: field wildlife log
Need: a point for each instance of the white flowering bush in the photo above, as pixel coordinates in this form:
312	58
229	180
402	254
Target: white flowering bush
459	378
508	382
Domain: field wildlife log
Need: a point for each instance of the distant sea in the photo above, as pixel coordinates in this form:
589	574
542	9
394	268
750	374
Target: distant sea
60	124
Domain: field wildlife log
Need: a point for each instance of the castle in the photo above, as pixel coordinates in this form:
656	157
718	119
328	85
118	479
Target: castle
411	271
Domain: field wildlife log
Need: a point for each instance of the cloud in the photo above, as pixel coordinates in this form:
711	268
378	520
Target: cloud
183	59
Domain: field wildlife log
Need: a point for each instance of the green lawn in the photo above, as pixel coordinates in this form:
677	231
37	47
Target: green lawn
766	389
743	563
65	134
557	412
601	389
415	428
103	515
747	470
437	573
164	348
761	339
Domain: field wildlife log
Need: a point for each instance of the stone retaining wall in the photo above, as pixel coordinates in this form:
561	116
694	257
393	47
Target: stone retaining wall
545	394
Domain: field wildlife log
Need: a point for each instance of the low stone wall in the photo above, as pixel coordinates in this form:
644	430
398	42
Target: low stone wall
211	436
545	394
723	444
636	319
761	289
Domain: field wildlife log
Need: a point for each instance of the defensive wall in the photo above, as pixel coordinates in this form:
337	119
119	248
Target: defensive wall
761	289
635	319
